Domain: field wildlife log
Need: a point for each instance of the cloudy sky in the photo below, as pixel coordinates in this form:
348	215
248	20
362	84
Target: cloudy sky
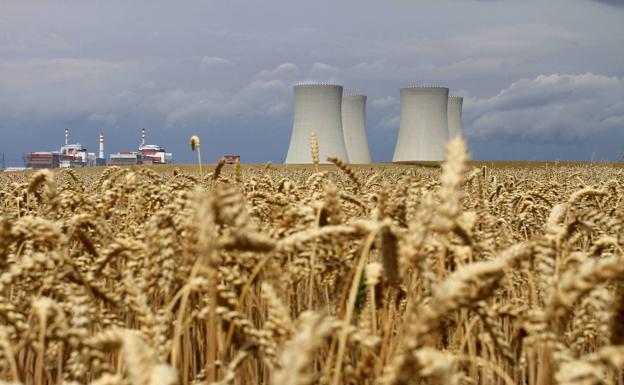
542	79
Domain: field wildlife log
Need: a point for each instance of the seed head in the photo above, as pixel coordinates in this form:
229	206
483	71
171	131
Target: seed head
194	142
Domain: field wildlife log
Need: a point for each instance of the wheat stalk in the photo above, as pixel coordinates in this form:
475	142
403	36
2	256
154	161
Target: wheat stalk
386	274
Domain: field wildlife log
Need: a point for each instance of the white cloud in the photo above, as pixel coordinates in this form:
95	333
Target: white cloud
383	103
379	65
549	107
258	98
104	92
516	49
390	122
515	38
104	118
323	68
470	66
61	87
33	74
215	62
282	70
16	37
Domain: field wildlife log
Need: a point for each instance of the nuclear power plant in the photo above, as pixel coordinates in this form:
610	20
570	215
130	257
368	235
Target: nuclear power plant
423	127
429	118
455	116
71	155
354	128
147	154
318	109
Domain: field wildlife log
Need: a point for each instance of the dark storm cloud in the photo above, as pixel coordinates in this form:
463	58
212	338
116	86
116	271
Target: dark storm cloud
549	108
205	67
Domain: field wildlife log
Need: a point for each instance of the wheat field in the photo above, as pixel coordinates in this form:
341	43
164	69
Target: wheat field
336	275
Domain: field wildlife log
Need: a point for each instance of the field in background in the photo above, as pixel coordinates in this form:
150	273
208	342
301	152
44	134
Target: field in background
497	164
275	274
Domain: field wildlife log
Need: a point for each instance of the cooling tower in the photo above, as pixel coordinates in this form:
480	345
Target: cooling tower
455	116
317	109
354	128
423	130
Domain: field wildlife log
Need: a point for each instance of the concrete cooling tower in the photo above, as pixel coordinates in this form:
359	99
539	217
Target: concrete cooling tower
455	116
423	130
354	128
318	110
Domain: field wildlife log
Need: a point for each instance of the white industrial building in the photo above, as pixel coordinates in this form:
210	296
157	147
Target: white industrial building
147	154
354	128
423	130
318	109
455	116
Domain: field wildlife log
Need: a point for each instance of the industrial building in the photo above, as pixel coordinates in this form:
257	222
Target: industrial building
42	159
423	127
318	109
154	154
354	128
124	158
70	155
146	154
75	155
455	116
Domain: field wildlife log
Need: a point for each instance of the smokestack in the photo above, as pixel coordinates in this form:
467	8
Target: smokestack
423	130
354	128
318	110
66	136
101	155
142	136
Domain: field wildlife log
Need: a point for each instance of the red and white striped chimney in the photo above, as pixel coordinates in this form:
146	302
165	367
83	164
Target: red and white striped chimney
101	146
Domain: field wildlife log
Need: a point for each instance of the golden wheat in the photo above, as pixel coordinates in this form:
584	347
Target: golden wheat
313	275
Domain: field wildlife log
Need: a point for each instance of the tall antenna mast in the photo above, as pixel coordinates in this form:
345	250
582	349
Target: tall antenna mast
66	136
142	136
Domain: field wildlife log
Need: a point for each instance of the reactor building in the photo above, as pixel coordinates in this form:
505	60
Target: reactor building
71	155
318	109
354	128
423	127
455	116
147	154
